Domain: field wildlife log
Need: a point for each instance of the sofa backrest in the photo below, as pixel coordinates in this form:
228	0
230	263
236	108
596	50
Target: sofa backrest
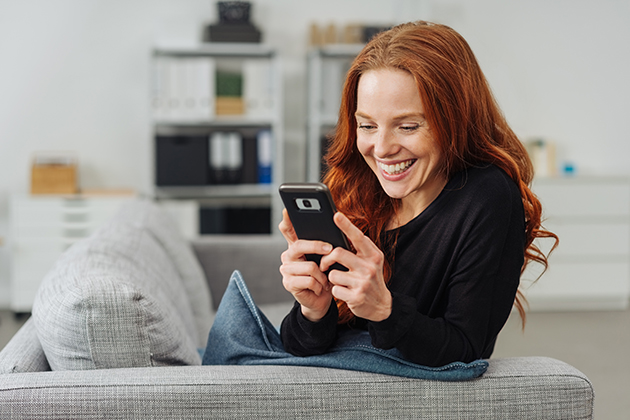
257	257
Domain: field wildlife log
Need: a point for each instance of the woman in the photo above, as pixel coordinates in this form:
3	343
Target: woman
432	190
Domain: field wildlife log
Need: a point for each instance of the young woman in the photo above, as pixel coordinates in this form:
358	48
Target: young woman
432	190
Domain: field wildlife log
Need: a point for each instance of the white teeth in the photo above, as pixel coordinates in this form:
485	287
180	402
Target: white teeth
397	168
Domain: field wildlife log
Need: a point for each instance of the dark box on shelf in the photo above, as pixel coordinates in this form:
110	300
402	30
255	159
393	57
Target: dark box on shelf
232	32
181	160
234	220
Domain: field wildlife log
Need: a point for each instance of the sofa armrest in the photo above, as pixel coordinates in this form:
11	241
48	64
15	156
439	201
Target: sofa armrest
24	352
524	388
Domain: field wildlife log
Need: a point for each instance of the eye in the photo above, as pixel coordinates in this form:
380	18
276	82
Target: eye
409	128
366	127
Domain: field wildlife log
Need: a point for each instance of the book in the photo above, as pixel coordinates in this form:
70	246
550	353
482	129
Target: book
183	88
265	156
226	157
201	88
229	93
258	88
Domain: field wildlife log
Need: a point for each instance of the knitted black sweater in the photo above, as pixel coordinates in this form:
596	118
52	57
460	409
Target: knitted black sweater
456	272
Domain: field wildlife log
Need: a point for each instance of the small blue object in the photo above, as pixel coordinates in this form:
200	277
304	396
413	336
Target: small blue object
569	169
264	174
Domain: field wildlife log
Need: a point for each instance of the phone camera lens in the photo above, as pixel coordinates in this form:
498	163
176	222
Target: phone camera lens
307	204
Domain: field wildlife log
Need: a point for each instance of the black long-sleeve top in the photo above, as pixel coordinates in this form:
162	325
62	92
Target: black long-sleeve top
456	272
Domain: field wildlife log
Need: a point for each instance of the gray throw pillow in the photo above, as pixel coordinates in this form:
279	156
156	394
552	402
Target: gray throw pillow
115	300
146	214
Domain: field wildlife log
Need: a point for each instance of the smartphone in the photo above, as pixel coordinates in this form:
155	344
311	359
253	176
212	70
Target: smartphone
311	210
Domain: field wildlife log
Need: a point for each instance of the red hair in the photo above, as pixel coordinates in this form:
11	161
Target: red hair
465	121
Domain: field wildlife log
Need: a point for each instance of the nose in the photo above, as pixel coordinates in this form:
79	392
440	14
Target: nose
385	144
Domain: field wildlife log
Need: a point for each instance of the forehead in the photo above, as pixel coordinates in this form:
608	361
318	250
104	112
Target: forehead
388	88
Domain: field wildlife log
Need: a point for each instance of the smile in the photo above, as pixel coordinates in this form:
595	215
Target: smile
397	168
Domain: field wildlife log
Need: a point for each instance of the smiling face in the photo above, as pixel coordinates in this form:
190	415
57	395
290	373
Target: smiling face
395	140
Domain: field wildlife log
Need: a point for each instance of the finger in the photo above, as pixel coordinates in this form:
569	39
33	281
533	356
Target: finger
286	228
341	293
362	268
304	268
338	255
299	249
307	272
299	284
361	243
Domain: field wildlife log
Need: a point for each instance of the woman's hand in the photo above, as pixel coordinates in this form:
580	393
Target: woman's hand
363	286
304	279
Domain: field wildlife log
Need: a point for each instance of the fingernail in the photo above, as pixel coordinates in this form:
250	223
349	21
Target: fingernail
328	247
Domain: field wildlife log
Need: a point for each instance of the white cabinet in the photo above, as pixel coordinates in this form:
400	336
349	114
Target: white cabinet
42	227
590	269
327	68
226	150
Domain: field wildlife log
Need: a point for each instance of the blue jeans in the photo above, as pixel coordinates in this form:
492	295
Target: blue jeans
242	335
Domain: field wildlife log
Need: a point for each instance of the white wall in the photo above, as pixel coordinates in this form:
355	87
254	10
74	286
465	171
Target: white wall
74	76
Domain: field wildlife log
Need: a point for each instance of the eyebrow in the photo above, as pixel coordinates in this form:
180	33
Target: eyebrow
359	114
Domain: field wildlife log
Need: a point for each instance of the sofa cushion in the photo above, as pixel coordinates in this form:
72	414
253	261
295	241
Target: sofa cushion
23	353
146	214
115	299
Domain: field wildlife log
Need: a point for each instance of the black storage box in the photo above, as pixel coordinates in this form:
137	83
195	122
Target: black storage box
232	32
234	220
181	160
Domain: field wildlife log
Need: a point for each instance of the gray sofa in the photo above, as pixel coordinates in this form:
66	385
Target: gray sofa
120	316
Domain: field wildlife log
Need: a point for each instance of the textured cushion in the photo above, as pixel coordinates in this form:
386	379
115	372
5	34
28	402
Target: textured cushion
146	214
115	299
24	352
527	388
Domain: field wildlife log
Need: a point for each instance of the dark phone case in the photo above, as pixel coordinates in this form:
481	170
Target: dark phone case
311	224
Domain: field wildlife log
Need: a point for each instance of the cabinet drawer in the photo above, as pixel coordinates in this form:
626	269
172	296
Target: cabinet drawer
42	228
26	247
58	231
589	239
574	198
102	210
44	211
580	286
39	211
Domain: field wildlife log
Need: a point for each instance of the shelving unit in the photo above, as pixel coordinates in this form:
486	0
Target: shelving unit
188	146
327	68
590	269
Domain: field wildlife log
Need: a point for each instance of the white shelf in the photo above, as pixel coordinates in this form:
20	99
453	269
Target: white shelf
214	49
216	191
219	121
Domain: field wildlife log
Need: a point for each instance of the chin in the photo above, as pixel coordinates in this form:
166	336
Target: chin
394	191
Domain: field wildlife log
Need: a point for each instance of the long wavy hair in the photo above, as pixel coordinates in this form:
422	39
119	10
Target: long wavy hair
465	121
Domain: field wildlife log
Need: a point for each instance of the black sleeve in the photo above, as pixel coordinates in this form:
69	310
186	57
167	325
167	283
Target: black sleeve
302	337
479	295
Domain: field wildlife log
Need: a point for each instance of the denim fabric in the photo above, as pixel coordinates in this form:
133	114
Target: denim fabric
242	335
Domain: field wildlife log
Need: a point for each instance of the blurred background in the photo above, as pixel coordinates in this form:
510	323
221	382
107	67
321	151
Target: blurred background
76	78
